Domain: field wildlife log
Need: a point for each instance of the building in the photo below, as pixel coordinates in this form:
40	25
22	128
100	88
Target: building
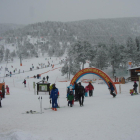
134	73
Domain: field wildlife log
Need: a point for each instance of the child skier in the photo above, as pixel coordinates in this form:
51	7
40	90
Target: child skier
86	91
70	98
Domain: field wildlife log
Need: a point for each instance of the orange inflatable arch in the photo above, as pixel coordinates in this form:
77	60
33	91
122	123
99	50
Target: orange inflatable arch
95	71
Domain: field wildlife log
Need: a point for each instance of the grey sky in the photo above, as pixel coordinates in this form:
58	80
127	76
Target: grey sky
31	11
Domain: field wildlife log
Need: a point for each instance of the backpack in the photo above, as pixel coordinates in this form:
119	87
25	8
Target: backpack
81	90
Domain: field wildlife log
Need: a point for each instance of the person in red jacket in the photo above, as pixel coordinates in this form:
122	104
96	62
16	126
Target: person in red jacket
90	87
1	96
24	83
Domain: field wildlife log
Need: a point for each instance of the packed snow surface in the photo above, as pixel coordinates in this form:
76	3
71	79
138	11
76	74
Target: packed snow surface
101	118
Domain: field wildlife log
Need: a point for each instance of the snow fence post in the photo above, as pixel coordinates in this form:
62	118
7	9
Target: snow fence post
28	86
120	88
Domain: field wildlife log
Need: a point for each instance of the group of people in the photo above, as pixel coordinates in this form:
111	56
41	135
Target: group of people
78	92
75	92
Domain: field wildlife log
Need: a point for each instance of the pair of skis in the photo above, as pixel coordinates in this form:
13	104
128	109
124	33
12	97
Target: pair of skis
40	101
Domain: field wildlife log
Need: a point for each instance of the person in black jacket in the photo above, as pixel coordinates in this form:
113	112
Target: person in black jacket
81	93
47	77
76	91
111	89
135	87
3	91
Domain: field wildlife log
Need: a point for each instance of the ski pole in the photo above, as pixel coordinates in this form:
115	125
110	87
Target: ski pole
41	105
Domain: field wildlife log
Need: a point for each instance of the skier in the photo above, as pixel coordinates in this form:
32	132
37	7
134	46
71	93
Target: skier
54	96
70	97
135	87
86	91
47	77
76	90
81	93
24	83
3	91
1	96
111	89
10	73
91	88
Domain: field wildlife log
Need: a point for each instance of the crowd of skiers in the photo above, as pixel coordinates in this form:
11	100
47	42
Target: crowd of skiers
75	92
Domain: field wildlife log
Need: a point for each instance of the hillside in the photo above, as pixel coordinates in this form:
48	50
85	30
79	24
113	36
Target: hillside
94	31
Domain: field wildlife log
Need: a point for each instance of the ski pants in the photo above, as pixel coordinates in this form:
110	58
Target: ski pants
90	92
81	99
76	95
113	94
54	103
135	89
70	102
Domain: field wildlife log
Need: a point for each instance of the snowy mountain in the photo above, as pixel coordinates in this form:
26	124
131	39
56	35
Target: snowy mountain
94	31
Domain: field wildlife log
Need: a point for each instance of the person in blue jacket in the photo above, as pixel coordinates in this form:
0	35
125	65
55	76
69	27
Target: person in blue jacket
54	95
111	89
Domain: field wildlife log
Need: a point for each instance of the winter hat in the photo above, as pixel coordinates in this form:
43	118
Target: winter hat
79	83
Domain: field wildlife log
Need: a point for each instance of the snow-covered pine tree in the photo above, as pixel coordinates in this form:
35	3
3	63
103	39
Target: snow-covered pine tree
101	59
80	52
114	54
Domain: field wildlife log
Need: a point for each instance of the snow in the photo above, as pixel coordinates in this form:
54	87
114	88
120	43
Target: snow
101	117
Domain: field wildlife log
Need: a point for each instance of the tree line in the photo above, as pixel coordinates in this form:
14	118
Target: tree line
102	55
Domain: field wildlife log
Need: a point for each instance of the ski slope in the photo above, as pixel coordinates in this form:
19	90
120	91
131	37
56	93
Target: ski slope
101	117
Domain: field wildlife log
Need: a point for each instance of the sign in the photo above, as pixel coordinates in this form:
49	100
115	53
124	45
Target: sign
129	64
137	70
42	87
95	71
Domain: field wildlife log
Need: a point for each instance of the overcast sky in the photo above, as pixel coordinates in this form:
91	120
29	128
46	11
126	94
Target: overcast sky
32	11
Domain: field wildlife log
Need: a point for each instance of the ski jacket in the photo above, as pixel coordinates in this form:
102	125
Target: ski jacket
3	89
71	96
86	89
111	87
90	87
76	86
81	90
54	94
135	85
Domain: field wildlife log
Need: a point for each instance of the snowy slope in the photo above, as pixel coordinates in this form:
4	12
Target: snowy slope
101	117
